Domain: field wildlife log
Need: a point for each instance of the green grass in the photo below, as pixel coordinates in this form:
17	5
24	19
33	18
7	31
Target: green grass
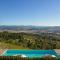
4	45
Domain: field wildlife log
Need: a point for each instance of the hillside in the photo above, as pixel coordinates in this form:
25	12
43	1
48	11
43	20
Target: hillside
30	41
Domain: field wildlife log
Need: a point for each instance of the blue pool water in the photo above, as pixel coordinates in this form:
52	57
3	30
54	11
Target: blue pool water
30	53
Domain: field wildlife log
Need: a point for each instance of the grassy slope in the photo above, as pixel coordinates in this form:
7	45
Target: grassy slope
4	45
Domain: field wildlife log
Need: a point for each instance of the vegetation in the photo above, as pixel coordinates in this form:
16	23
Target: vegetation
20	58
4	45
29	40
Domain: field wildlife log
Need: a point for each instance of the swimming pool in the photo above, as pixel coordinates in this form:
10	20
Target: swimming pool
30	53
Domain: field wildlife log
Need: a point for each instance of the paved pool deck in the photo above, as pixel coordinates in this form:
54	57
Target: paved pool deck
2	51
57	51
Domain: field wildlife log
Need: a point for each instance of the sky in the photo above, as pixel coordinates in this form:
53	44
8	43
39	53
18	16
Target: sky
30	12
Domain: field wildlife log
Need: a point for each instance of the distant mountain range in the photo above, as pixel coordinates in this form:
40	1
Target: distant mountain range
55	29
21	27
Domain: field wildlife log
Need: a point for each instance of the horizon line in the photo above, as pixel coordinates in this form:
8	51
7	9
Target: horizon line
29	25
